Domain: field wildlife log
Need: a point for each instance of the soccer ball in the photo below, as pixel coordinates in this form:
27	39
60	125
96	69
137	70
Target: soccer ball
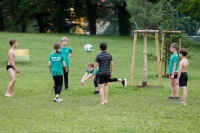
88	47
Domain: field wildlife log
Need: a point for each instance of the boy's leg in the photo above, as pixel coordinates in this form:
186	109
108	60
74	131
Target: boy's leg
107	77
10	88
60	82
96	85
105	92
102	92
176	88
184	100
113	79
173	89
66	79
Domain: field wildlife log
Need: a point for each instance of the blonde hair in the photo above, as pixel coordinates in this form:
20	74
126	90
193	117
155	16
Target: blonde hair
64	38
174	45
90	64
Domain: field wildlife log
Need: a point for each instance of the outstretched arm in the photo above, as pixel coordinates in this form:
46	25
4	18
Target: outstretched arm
85	77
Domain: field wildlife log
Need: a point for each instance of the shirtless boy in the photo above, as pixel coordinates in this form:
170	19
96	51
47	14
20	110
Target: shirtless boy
182	74
11	68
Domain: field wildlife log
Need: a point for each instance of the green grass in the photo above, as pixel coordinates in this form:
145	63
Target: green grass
128	110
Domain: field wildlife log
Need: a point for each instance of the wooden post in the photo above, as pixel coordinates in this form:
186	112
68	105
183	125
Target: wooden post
133	58
144	82
179	46
158	60
162	49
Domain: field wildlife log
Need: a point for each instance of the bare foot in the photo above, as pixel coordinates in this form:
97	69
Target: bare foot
8	95
101	104
182	103
105	102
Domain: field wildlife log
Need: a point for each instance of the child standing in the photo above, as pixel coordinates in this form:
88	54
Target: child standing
56	64
90	72
182	73
173	71
68	52
11	68
105	62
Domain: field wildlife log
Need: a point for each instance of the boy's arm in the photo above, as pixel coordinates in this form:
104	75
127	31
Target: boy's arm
85	77
173	70
64	65
179	71
111	68
12	61
71	54
95	68
49	64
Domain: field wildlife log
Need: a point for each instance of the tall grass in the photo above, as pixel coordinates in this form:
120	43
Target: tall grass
129	109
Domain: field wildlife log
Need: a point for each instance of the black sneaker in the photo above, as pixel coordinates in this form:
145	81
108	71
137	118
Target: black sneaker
170	97
67	89
176	98
96	92
124	82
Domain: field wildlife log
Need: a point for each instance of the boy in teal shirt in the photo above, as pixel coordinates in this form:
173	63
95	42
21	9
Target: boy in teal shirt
173	71
56	64
68	52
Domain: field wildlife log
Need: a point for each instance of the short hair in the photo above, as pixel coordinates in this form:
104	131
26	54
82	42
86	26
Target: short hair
103	46
174	45
64	38
90	64
183	51
56	47
12	41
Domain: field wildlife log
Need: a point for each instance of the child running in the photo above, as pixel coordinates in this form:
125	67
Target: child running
68	52
182	73
11	68
90	72
105	62
56	66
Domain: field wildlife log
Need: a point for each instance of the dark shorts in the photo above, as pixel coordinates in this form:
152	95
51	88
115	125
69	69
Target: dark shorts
104	79
183	79
9	66
175	76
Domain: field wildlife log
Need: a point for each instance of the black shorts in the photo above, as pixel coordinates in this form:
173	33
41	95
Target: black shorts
9	66
104	79
183	79
175	76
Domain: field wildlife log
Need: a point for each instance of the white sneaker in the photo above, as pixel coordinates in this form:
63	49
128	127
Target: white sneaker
59	100
124	82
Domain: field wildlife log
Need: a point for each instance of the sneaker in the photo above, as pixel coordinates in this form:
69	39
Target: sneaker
124	82
58	100
170	97
66	88
96	92
176	98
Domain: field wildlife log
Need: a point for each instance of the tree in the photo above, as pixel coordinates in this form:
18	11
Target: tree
145	13
190	8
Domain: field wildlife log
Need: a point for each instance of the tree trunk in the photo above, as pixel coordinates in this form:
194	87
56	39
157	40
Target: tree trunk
92	17
40	23
1	21
144	82
123	18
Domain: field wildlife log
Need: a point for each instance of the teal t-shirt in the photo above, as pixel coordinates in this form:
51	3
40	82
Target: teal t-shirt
56	63
92	72
173	58
66	51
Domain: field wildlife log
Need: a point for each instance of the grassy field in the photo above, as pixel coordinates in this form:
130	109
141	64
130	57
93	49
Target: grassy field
129	109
